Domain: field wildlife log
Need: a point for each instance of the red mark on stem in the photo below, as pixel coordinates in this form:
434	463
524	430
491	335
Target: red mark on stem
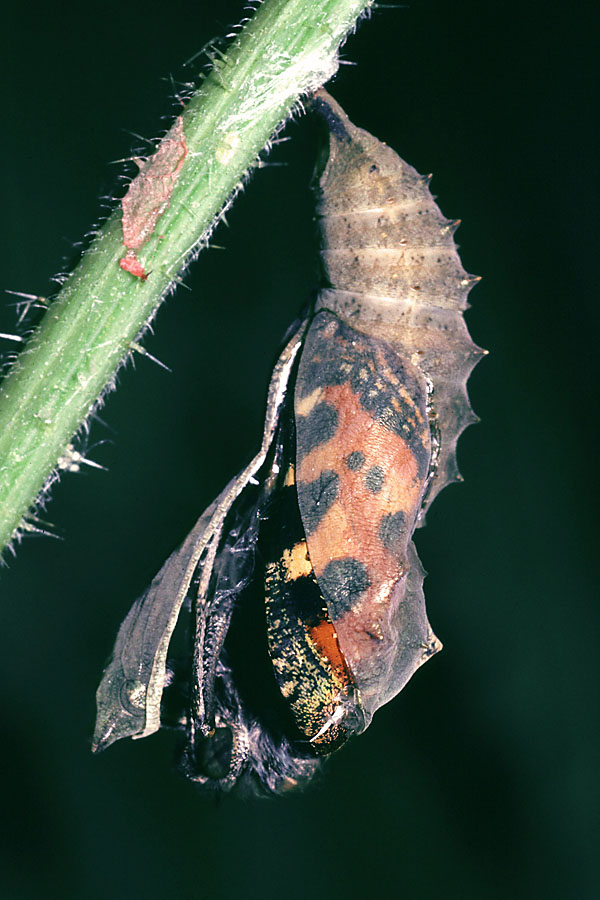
149	194
131	263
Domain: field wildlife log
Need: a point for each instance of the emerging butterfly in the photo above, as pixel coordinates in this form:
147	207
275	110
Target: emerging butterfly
300	584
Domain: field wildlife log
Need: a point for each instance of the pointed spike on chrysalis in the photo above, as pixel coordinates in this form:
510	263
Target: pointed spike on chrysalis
451	226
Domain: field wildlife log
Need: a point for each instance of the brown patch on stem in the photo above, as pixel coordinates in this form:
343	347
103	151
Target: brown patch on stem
149	195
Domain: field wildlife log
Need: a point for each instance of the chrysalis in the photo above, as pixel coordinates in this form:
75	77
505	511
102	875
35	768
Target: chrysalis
301	586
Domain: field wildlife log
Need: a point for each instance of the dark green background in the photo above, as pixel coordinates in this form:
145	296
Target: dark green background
480	780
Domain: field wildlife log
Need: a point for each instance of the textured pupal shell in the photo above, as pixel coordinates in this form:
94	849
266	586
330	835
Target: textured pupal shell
395	274
130	693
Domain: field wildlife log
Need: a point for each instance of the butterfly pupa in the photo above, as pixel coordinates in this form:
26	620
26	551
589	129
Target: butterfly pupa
300	584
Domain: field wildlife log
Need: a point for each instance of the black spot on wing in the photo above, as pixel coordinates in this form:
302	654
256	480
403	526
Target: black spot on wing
374	479
316	497
336	354
342	583
355	461
316	428
393	532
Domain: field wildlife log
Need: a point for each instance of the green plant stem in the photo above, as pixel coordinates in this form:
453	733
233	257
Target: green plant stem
289	48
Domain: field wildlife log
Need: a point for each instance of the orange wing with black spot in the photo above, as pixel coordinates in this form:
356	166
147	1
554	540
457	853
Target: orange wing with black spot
363	457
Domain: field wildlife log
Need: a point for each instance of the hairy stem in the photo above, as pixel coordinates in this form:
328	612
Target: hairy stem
287	49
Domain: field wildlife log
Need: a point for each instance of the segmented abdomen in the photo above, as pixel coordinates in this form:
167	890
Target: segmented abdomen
395	274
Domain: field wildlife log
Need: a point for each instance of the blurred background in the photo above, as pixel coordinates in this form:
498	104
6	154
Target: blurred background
480	779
